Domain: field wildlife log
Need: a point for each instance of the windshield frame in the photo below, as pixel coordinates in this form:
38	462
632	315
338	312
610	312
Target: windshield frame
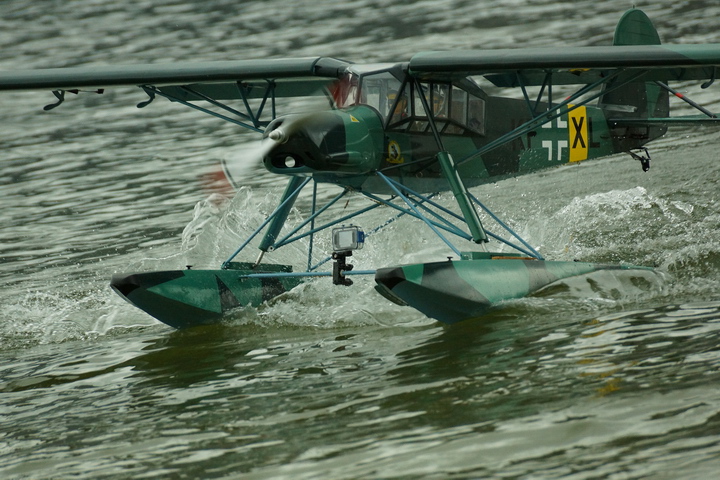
396	101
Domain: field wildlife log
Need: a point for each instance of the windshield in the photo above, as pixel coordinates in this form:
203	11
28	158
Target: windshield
344	91
377	90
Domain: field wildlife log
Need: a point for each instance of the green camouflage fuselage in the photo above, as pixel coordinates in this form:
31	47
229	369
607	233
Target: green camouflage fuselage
347	146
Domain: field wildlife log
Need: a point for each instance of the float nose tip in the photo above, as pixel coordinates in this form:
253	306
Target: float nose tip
278	136
123	284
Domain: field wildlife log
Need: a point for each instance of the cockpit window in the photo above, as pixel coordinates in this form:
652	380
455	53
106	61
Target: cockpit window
382	92
456	109
378	90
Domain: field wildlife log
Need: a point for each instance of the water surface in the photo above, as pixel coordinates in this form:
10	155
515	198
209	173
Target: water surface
608	376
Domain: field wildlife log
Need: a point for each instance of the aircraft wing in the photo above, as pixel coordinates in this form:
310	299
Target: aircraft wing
570	65
218	80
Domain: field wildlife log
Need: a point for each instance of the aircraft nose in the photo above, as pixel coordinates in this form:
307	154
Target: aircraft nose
315	141
279	135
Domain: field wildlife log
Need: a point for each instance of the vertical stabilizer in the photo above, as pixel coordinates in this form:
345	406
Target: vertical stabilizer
635	28
637	99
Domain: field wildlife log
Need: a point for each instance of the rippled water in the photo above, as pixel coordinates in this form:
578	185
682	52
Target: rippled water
609	376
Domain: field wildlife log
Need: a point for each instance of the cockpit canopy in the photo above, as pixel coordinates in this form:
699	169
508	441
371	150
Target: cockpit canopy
457	107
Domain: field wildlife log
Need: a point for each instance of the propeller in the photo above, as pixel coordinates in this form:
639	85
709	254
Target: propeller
233	171
244	163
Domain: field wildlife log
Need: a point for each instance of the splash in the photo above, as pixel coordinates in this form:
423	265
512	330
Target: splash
676	236
631	226
48	317
319	304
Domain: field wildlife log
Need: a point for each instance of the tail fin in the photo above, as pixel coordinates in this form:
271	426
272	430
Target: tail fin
635	28
636	100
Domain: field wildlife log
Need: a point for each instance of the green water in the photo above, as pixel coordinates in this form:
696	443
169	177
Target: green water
521	394
608	376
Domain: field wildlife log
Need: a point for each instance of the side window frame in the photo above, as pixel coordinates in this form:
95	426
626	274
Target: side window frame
456	110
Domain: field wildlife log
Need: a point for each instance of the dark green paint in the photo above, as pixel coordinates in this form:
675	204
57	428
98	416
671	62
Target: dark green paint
482	62
171	73
183	298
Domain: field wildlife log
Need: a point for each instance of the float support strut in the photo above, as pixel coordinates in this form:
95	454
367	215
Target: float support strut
462	197
453	177
287	201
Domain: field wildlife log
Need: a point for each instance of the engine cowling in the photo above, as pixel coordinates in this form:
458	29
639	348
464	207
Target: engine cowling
343	142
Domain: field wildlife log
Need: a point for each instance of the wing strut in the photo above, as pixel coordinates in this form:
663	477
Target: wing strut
531	107
685	99
453	177
185	93
172	98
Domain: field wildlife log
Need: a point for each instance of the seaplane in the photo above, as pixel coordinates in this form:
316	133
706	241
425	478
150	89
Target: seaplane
400	135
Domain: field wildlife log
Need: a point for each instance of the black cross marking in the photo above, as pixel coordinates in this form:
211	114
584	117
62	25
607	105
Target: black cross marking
578	124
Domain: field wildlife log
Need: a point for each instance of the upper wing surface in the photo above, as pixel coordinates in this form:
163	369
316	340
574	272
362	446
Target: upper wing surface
303	73
570	65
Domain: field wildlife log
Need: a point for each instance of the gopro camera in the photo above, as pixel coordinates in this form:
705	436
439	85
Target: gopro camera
347	239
